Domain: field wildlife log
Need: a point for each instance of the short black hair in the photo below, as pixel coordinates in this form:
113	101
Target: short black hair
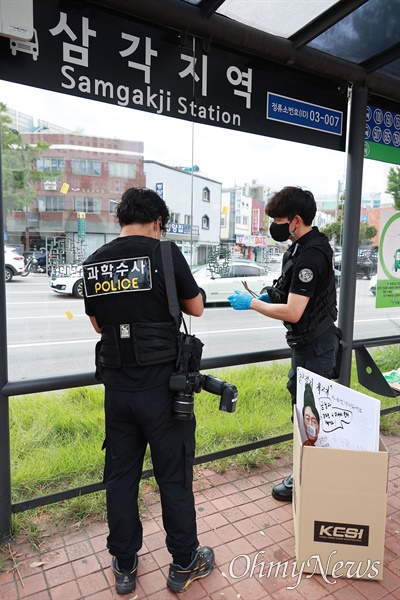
292	201
142	205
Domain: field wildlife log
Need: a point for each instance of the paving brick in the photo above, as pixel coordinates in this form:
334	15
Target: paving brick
78	550
373	590
153	582
250	589
8	591
86	565
92	584
390	581
147	564
31	585
66	591
59	575
43	595
155	540
214	582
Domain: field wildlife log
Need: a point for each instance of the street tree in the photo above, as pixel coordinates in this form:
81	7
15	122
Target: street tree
366	233
334	229
19	165
393	185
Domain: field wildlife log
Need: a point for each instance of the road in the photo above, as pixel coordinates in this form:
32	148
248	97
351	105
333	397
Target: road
49	334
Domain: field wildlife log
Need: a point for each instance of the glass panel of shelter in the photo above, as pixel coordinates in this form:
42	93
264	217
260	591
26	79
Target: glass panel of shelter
95	152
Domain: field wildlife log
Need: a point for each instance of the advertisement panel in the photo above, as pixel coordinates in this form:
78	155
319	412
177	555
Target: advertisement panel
388	279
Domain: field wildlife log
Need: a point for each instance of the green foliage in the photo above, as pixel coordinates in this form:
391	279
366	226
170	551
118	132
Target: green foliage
19	165
393	185
334	228
366	233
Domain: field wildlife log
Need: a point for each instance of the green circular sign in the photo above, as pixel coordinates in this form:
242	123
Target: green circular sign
384	232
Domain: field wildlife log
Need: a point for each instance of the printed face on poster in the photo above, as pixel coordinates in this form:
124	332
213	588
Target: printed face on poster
331	415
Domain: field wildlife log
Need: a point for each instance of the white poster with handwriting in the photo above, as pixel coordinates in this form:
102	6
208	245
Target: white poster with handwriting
334	416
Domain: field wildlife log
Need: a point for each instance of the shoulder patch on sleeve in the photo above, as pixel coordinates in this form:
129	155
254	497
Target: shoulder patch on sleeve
306	275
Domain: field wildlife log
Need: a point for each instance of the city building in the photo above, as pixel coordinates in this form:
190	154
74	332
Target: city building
84	179
194	202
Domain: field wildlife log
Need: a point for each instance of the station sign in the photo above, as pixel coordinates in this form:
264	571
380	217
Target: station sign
102	55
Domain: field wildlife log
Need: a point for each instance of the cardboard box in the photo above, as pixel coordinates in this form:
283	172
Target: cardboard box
339	507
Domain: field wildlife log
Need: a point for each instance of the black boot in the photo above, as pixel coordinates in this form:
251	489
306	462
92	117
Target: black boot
283	491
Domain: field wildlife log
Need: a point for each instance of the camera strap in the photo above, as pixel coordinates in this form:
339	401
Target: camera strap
170	285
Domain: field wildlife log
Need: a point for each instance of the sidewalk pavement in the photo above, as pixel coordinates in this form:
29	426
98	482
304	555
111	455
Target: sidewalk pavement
236	516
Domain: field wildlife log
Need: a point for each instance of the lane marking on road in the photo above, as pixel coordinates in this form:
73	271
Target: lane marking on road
212	332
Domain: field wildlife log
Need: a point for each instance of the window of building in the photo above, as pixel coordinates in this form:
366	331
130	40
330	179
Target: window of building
121	169
223	220
188	219
87	205
50	165
205	222
174	217
86	167
237	220
245	220
206	195
51	203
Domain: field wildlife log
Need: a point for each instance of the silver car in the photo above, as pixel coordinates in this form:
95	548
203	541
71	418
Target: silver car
216	287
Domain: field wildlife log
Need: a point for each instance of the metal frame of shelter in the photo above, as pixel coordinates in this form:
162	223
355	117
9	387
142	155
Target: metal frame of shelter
363	81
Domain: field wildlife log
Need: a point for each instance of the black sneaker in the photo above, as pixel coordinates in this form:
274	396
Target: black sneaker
125	581
202	564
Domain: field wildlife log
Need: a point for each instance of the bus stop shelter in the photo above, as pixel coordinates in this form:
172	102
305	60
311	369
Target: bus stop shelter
310	72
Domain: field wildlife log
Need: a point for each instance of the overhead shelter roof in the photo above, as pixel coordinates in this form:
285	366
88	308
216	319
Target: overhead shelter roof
348	41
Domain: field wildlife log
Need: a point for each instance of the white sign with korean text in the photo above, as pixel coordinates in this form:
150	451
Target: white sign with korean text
332	415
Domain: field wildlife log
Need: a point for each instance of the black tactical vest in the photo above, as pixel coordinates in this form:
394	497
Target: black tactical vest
321	311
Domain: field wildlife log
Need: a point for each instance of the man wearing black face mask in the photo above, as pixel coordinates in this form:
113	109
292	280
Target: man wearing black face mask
304	296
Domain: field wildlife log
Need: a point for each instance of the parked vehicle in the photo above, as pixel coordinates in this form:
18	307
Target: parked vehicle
30	265
217	286
14	263
366	265
67	279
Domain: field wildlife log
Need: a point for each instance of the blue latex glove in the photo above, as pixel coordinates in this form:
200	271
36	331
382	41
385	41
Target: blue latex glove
264	298
240	301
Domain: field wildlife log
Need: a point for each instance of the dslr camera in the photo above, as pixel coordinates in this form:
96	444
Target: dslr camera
187	381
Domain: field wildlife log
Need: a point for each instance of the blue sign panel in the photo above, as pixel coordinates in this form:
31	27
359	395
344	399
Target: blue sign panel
303	114
182	229
382	127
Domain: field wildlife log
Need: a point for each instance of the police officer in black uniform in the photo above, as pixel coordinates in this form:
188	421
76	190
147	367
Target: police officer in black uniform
126	301
304	296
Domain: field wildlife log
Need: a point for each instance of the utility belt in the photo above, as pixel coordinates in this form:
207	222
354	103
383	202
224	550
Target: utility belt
137	345
298	341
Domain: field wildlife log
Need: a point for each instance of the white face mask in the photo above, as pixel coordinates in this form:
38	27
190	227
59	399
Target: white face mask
311	431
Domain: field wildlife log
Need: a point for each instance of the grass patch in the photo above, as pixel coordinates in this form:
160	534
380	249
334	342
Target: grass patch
56	438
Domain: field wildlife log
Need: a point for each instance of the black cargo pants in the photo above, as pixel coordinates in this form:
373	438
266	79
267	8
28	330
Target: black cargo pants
319	357
134	419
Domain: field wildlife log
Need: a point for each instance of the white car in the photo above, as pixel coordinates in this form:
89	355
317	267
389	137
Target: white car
14	263
216	287
67	279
